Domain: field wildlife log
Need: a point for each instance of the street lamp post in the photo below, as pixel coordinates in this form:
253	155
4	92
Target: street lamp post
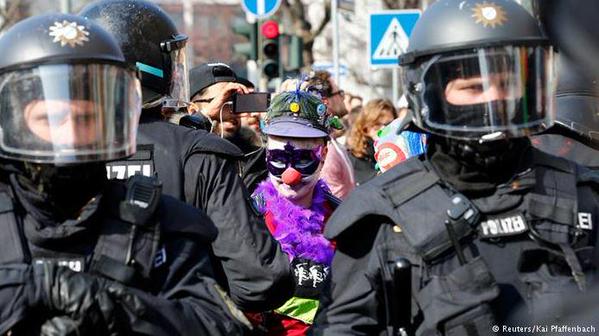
334	16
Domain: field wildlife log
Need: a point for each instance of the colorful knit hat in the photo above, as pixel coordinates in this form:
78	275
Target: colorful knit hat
299	114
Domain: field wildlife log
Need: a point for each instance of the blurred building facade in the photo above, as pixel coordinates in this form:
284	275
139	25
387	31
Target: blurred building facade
208	23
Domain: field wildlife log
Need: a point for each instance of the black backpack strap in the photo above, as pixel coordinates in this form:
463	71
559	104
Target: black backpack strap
128	244
421	198
556	198
11	242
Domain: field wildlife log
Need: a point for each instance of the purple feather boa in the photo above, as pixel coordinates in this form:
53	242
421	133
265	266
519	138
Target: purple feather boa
299	230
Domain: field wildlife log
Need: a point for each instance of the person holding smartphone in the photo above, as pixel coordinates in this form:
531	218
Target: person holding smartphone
214	89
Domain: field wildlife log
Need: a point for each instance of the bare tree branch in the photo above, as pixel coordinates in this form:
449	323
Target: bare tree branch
296	11
323	23
401	4
9	14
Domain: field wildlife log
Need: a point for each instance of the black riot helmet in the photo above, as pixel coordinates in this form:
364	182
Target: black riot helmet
577	101
67	96
479	70
150	41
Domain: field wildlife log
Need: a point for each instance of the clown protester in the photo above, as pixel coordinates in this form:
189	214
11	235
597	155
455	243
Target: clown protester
296	202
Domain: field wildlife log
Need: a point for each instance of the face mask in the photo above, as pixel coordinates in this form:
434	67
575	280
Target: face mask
305	161
481	115
65	189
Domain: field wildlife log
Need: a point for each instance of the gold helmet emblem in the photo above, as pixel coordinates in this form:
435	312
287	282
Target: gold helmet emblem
489	14
69	33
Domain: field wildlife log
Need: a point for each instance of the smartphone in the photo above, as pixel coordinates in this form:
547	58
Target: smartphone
251	102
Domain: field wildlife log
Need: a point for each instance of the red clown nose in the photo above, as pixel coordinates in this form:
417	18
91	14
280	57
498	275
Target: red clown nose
291	176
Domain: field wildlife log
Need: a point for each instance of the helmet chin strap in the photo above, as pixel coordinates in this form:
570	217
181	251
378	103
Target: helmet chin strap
484	154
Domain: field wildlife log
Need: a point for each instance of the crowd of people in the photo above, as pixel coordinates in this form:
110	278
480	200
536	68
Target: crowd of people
135	200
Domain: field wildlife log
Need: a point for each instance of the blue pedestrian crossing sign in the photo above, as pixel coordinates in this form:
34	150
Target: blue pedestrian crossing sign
389	33
260	9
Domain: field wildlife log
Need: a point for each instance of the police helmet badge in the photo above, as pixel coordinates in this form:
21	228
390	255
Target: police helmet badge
489	14
69	33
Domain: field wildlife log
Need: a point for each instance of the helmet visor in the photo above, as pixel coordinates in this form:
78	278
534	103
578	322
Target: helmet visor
504	91
178	96
69	113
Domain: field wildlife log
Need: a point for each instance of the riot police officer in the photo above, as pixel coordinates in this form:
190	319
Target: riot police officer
575	134
80	254
452	241
194	166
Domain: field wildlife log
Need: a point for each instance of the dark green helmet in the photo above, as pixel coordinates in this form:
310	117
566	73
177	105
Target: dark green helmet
479	70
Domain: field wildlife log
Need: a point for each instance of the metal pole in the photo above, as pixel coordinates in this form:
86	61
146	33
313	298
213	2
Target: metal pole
395	85
263	84
334	16
65	6
424	4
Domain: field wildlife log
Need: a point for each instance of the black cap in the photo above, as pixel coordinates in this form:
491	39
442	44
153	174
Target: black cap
246	82
206	75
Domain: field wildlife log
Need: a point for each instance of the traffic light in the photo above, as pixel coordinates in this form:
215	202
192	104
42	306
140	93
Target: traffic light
249	31
270	49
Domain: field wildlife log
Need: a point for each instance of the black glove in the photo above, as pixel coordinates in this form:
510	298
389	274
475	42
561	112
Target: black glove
17	295
62	326
87	300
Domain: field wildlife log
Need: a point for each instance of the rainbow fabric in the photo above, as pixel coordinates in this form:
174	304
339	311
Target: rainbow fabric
393	146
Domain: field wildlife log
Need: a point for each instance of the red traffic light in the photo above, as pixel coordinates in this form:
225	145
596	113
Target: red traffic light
270	29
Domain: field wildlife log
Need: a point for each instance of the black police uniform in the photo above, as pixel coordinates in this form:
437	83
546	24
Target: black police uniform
253	169
201	168
194	166
534	232
483	226
253	163
80	254
167	291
